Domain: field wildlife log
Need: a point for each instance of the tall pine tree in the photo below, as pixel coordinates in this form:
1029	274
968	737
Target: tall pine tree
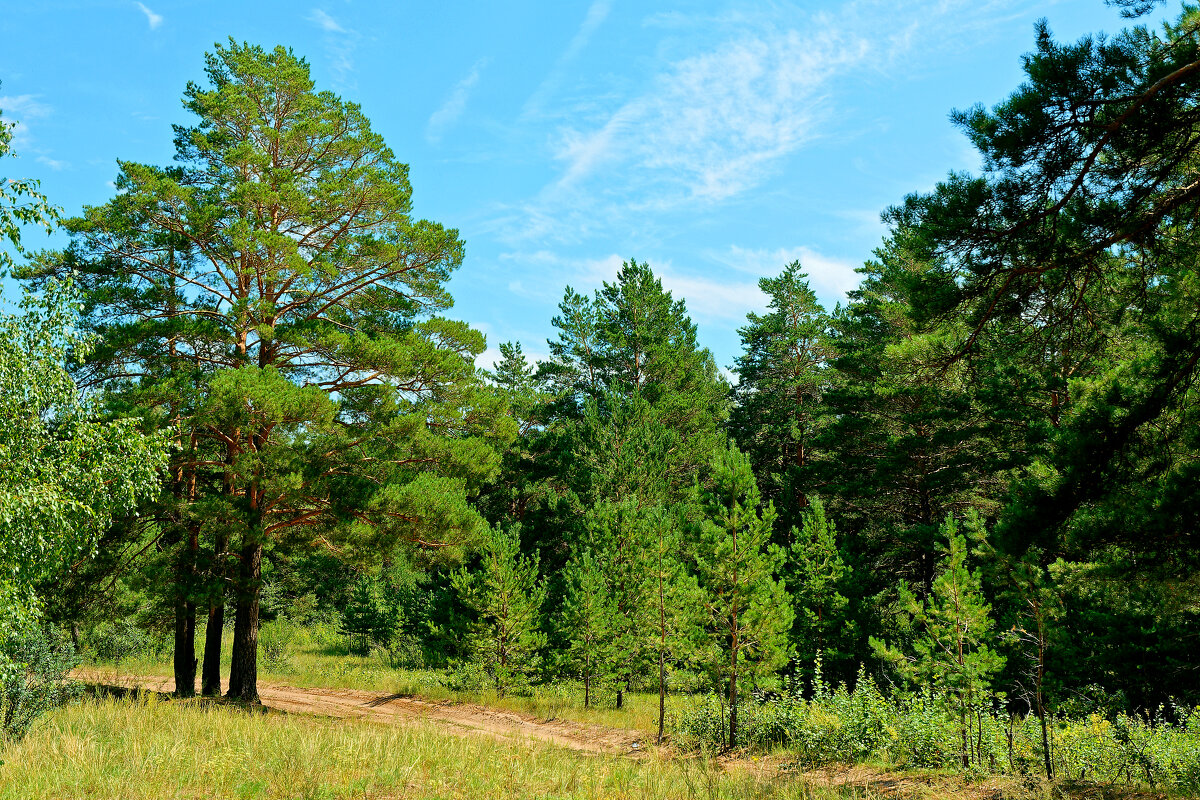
276	284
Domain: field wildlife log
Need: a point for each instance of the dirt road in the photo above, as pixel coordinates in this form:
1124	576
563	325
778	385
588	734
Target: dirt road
460	718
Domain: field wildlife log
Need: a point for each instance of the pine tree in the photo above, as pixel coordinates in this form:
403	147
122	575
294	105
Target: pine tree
507	597
782	378
952	630
368	615
521	485
274	288
748	611
619	534
588	620
674	598
632	340
818	580
1036	632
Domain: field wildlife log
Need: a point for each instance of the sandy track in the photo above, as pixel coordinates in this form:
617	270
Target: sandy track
465	719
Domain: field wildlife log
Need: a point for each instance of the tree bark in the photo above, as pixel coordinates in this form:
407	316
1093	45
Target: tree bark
662	693
210	680
185	618
243	668
733	694
185	647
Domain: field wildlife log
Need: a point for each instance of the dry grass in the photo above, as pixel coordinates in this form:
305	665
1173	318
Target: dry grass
147	749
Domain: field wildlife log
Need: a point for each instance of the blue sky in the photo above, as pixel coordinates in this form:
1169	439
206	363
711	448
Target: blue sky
715	140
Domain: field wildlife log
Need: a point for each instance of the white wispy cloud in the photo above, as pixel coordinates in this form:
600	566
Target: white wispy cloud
19	110
727	104
325	22
456	102
596	14
707	296
53	163
830	278
713	122
340	44
153	19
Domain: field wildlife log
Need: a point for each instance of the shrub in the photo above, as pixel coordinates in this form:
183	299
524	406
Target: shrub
920	731
42	660
402	652
468	676
275	641
121	640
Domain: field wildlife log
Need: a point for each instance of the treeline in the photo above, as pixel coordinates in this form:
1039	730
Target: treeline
978	476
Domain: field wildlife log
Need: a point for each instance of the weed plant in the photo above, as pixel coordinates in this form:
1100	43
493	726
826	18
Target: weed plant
906	731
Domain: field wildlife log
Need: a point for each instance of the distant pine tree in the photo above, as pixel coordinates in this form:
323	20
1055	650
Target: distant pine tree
507	597
818	579
748	611
588	621
782	378
951	630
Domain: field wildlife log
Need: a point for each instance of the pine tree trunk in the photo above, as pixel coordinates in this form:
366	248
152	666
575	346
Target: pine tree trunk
243	669
1041	697
185	648
587	680
214	632
185	618
733	694
662	692
210	679
966	738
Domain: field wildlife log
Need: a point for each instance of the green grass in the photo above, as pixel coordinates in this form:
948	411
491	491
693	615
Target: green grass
148	749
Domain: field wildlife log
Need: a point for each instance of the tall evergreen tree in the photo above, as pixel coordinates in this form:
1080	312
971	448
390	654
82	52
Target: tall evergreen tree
521	485
782	378
908	441
278	270
1079	236
633	339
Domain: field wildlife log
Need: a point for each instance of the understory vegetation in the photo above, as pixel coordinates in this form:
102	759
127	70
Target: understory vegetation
914	731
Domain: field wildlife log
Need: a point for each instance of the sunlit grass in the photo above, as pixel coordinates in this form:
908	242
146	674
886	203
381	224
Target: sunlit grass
148	749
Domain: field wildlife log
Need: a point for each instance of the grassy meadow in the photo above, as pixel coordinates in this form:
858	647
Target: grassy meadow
148	749
156	744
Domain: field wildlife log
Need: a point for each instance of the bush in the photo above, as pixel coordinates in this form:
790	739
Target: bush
402	652
918	731
38	682
468	676
275	641
119	641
